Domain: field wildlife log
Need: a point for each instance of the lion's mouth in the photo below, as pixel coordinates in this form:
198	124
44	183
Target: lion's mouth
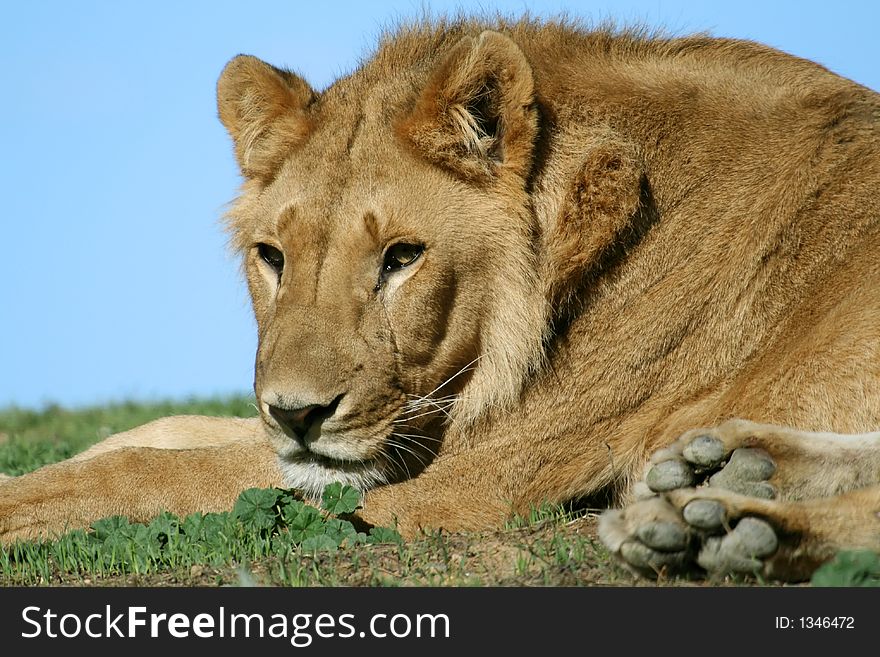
361	455
332	449
307	455
310	472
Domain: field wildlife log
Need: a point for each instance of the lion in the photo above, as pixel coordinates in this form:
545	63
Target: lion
507	262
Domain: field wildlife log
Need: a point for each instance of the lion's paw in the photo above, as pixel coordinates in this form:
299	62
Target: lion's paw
689	530
648	536
719	457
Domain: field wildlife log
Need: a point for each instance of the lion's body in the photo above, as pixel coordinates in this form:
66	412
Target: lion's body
496	268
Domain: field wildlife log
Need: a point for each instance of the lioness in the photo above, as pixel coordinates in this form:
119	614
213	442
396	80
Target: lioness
504	263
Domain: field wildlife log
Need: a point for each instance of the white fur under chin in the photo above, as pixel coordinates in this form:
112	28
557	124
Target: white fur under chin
312	477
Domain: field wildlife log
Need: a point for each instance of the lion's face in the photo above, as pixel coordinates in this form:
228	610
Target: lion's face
387	285
369	288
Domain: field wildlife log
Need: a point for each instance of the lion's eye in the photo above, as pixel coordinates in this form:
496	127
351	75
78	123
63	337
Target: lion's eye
399	256
272	257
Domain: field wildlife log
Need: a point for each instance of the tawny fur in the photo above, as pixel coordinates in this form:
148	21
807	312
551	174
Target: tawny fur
625	237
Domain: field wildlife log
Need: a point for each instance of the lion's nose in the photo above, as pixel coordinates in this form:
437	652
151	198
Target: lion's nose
296	422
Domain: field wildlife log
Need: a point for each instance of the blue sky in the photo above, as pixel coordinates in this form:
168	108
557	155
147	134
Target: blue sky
115	280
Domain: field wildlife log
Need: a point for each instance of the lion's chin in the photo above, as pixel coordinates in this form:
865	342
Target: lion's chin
311	475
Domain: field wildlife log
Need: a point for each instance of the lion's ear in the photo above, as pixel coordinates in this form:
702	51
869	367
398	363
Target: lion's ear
264	110
477	115
606	209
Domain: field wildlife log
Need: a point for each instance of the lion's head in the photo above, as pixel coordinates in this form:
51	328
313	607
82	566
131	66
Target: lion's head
392	251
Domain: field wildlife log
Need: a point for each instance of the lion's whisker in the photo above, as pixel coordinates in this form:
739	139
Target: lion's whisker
418	456
423	414
460	372
403	447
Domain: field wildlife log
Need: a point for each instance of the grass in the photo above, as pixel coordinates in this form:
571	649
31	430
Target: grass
270	538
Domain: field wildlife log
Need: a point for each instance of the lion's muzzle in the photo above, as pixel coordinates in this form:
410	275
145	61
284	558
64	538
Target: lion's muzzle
303	422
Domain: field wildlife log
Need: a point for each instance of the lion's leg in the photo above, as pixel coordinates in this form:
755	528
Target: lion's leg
426	504
179	432
140	481
482	485
767	461
770	500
